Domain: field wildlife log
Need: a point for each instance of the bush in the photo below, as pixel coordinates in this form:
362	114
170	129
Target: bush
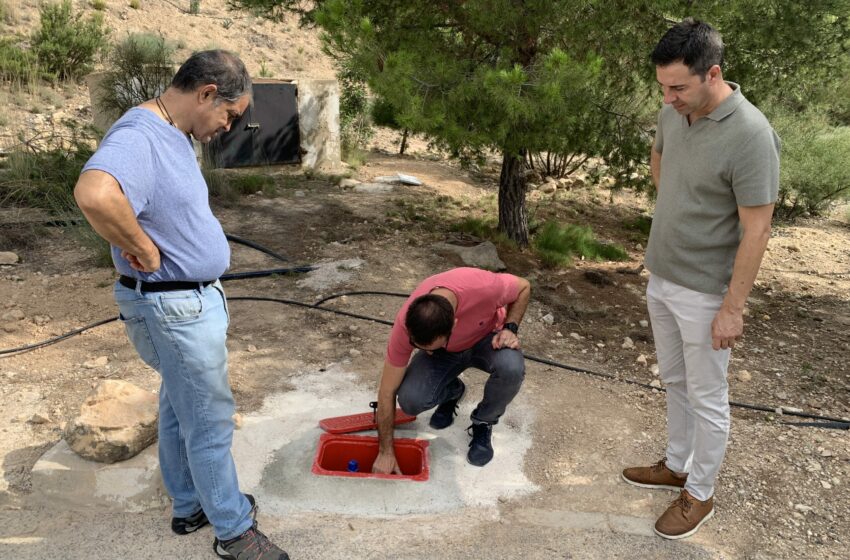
65	45
138	68
354	113
814	170
17	64
557	245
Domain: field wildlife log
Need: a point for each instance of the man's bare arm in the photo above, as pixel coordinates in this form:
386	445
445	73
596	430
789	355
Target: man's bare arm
655	167
728	324
515	313
391	378
108	211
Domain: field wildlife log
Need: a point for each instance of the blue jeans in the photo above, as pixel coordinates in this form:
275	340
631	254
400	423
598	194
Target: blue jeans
428	380
181	334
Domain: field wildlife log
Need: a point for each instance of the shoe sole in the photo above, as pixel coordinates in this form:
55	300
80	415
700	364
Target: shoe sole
220	552
460	398
708	516
650	486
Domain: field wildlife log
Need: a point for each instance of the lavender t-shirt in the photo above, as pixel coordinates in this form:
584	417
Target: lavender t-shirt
155	165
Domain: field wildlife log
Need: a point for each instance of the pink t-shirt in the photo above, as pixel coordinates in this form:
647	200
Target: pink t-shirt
481	300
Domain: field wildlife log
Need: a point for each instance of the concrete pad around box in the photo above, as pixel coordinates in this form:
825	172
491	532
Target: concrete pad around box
63	478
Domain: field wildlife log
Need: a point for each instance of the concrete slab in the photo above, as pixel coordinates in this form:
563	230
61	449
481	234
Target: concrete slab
63	479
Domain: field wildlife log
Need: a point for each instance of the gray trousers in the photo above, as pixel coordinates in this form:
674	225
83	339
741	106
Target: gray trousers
428	380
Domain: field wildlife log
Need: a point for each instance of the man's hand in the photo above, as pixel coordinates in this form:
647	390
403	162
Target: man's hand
726	328
505	339
144	263
385	463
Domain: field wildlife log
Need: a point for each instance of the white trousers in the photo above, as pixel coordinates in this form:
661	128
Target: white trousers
694	375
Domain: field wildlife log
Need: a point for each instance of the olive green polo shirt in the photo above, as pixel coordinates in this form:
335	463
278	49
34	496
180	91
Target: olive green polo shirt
726	159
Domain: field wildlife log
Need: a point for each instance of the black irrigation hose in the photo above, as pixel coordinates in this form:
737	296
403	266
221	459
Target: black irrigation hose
363	293
264	273
257	246
826	421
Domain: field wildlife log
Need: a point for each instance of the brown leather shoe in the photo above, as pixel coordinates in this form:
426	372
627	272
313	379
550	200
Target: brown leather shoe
684	517
655	476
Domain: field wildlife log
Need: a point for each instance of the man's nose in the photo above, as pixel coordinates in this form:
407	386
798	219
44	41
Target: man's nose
669	96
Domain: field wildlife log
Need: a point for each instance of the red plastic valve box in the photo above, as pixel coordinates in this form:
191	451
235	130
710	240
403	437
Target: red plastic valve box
336	450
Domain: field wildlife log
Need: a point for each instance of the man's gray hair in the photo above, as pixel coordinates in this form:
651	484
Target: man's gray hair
218	67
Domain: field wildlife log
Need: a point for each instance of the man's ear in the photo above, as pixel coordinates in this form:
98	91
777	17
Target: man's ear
714	73
207	93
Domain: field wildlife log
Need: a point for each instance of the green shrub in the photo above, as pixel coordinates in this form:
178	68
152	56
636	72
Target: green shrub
98	5
138	68
65	44
557	245
17	64
135	4
814	169
194	7
250	184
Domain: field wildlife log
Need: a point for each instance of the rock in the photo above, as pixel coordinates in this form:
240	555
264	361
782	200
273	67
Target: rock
575	335
348	183
373	188
116	421
237	420
549	319
600	278
641	360
656	384
484	255
782	395
8	257
10	327
643	323
354	353
95	363
826	485
13	315
38	419
654	369
300	194
41	320
628	343
549	188
802	508
570	290
251	348
744	376
826	453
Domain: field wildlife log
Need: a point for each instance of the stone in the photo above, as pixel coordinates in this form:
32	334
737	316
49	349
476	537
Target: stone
628	343
782	395
654	369
484	255
373	188
643	323
549	188
300	194
744	376
237	420
116	422
251	348
354	353
13	315
348	183
641	360
802	508
8	257
10	327
41	320
549	319
655	384
95	363
38	419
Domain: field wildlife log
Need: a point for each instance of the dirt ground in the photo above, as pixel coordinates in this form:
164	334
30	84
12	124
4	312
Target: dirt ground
783	491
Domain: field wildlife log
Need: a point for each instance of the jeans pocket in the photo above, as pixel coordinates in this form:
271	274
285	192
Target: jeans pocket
180	306
137	332
220	290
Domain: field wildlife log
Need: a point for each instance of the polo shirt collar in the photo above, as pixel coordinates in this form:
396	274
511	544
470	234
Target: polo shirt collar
728	105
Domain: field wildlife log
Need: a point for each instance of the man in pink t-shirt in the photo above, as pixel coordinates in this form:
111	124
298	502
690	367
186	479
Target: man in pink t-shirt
458	319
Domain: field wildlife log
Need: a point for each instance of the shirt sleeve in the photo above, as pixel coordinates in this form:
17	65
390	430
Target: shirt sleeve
126	155
755	170
399	348
508	289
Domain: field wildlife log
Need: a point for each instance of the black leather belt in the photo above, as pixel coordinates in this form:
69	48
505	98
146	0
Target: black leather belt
128	282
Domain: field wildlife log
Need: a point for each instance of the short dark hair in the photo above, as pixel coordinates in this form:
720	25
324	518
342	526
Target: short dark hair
428	317
219	67
694	43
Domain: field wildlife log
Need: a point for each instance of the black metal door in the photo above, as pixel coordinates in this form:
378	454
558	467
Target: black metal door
267	133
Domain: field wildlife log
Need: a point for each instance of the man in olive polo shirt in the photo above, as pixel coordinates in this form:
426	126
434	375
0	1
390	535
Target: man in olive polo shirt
715	164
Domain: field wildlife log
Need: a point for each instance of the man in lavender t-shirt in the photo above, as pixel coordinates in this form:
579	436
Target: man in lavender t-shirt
458	319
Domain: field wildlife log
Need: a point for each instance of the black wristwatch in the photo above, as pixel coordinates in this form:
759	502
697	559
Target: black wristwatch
513	327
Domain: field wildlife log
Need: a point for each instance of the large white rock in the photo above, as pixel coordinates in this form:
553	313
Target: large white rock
116	422
8	257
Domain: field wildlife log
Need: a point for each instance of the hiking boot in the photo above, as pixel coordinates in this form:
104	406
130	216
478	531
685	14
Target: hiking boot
480	449
445	413
250	545
186	525
684	516
655	476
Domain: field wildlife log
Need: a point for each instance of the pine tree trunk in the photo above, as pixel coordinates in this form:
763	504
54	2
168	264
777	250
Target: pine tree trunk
513	217
403	142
